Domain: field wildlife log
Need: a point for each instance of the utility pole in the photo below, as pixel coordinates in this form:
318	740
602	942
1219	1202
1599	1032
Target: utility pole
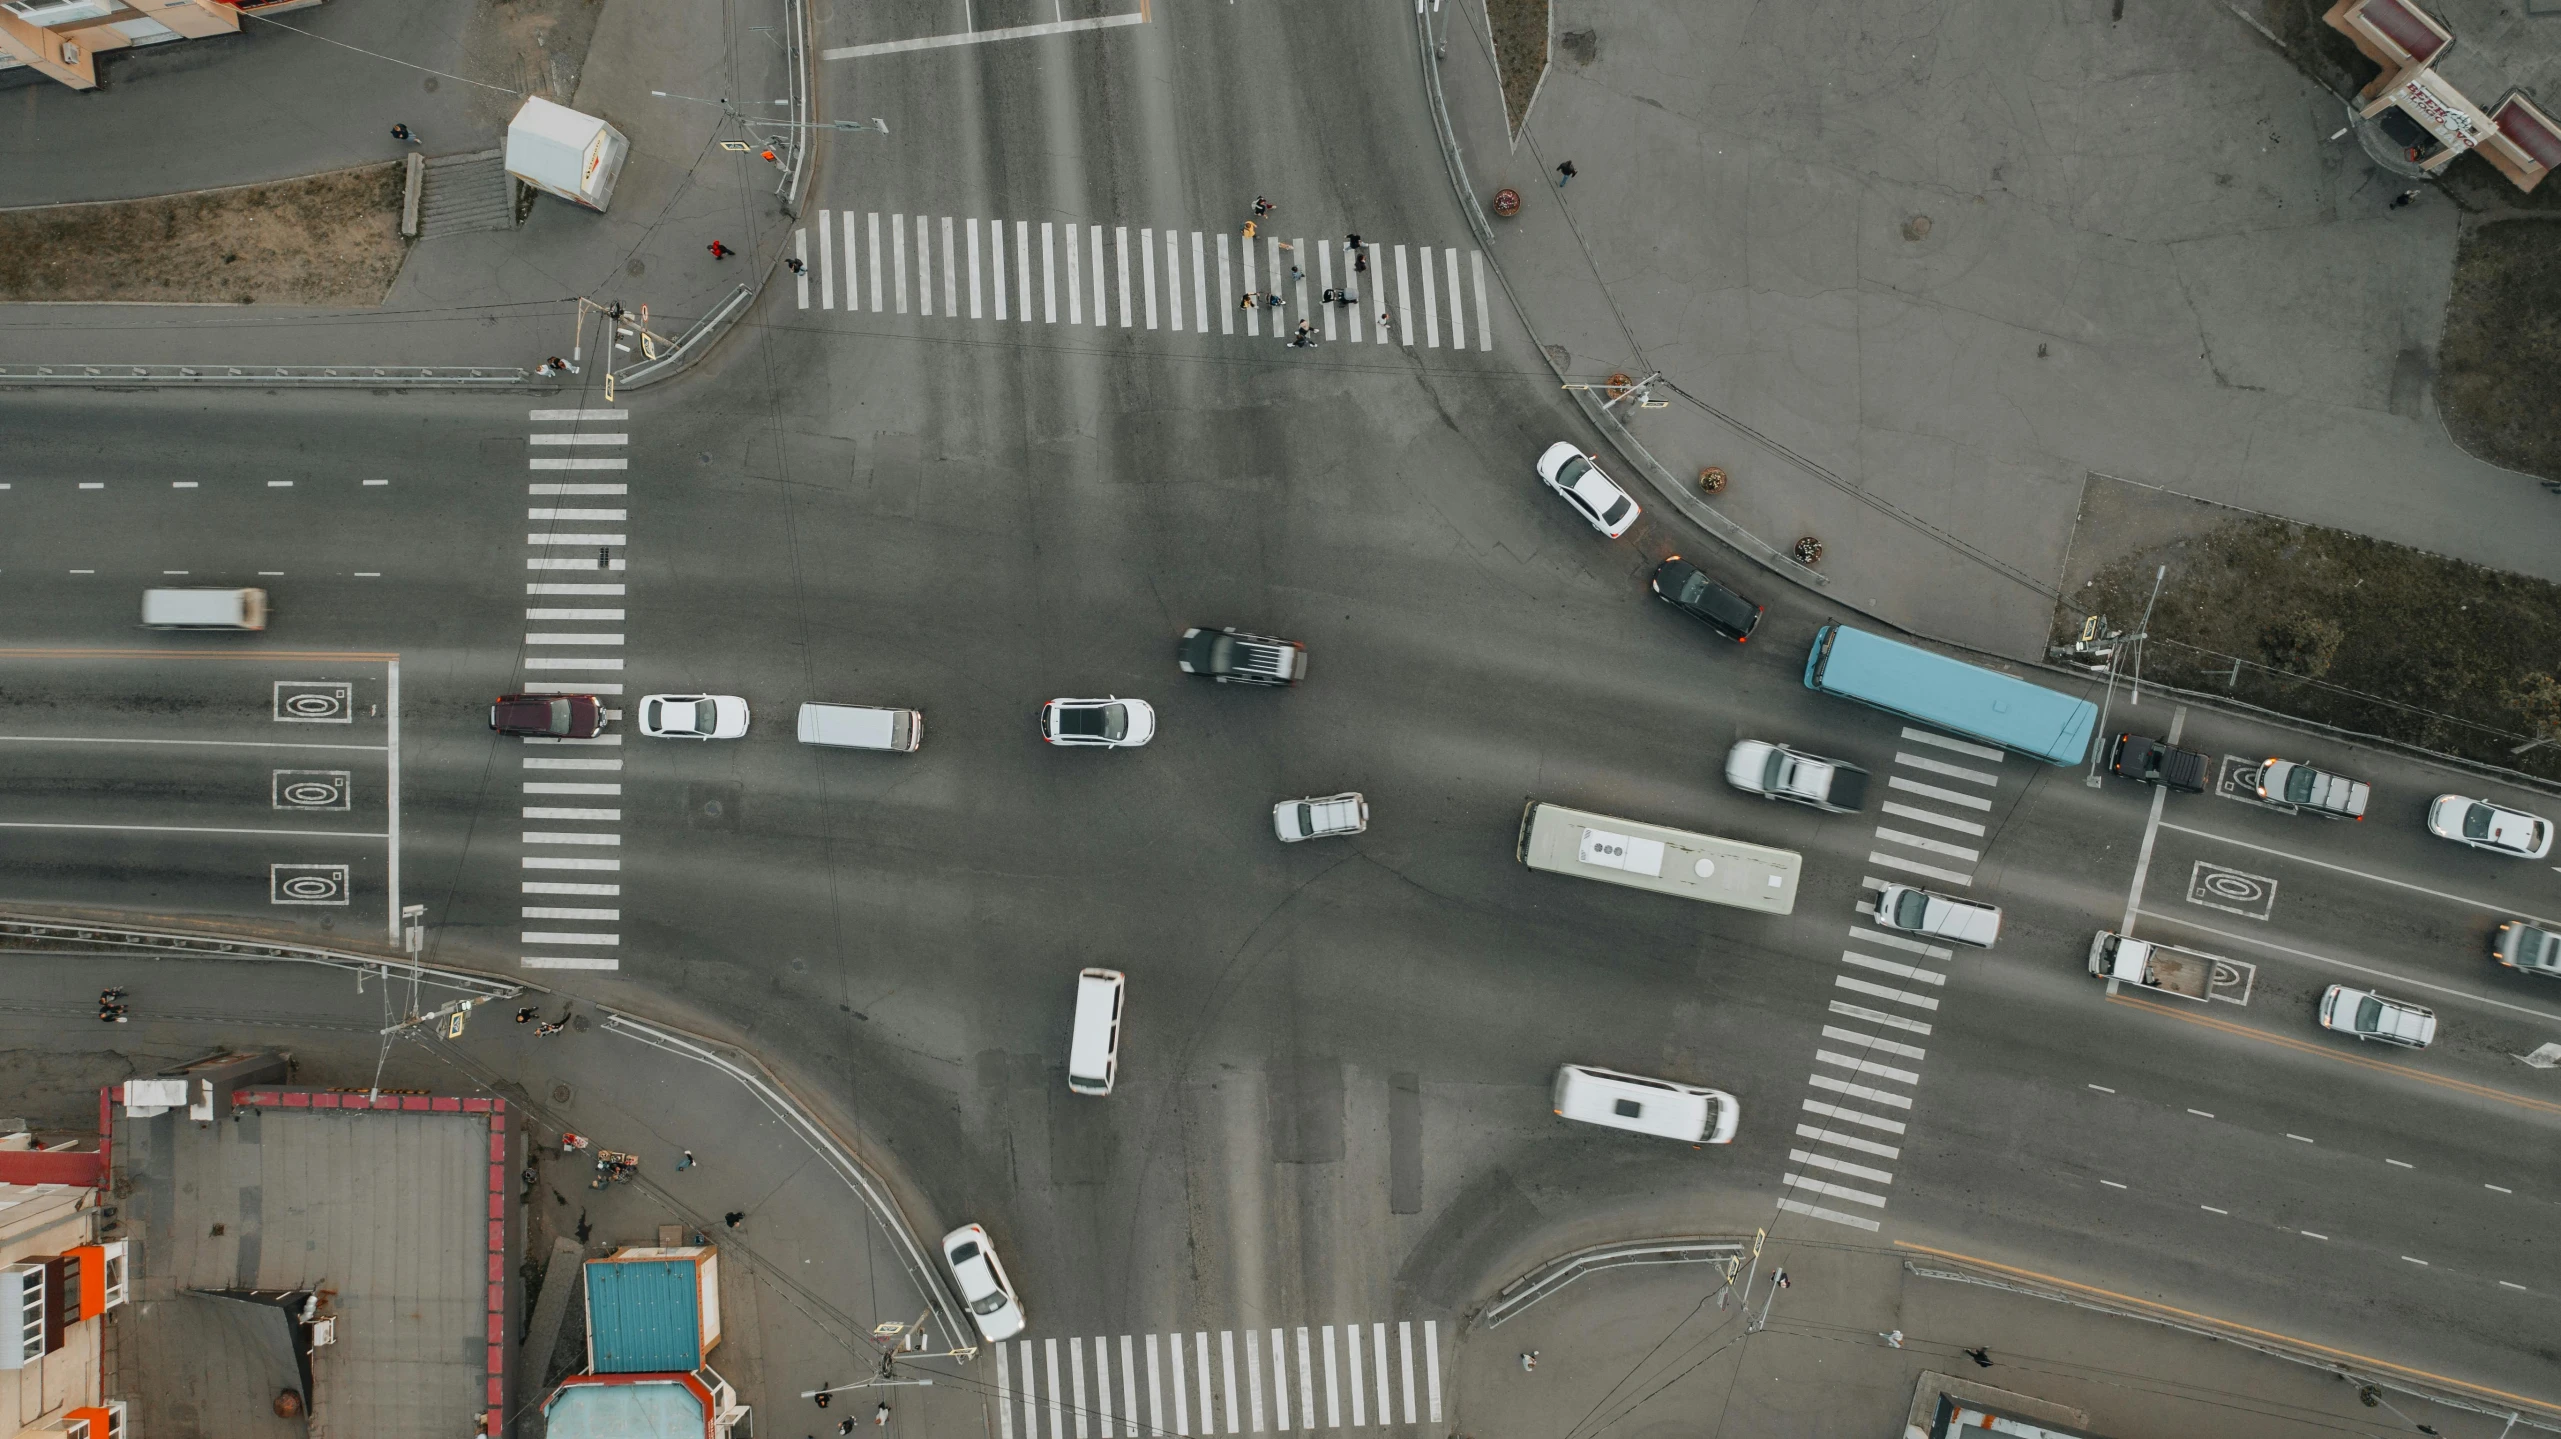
2117	646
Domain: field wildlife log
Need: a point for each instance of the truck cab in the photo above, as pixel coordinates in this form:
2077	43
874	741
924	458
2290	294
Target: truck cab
2150	761
1773	771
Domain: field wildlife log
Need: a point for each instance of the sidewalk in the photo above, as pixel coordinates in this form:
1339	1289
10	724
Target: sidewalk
493	297
808	1272
1913	314
1648	1351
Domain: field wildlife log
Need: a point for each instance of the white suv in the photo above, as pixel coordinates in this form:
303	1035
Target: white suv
1112	722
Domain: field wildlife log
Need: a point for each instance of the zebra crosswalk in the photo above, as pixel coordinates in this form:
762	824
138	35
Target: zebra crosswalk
1888	993
1351	1376
574	645
1113	277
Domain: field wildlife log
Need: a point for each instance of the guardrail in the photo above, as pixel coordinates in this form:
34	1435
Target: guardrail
1555	1274
797	55
24	929
369	376
688	344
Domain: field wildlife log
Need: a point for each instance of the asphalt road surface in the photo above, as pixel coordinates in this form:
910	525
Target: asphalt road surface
1332	1101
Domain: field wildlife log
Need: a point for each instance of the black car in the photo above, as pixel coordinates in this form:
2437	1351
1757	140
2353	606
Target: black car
2150	761
548	716
1232	656
1685	587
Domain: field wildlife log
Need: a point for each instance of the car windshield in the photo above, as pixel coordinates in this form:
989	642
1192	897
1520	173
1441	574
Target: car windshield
560	714
1910	908
1693	585
1571	471
1222	654
2476	821
2369	1013
1616	512
1306	817
994	1301
1772	768
1112	721
2298	785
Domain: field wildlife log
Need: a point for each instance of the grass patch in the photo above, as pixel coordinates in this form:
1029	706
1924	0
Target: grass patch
1520	52
2346	630
327	240
2502	344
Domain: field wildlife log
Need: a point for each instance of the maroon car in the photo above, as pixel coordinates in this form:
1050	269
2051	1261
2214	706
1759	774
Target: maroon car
548	716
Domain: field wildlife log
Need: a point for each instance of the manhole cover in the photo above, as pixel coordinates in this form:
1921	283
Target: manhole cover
579	1023
562	1094
1917	228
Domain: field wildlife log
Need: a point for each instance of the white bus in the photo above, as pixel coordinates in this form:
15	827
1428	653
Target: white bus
1666	861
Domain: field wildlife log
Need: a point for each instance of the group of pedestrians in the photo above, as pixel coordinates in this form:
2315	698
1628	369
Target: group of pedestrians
111	1006
546	1028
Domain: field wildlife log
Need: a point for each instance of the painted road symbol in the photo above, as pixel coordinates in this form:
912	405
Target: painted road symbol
315	702
306	884
312	788
2251	896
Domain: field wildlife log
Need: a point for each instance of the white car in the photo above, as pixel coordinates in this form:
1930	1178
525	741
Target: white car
2483	825
1594	496
2368	1015
693	716
1297	819
1940	916
1113	722
983	1284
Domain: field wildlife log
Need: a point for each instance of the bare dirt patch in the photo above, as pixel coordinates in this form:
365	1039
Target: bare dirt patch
2328	626
330	240
2503	345
1520	52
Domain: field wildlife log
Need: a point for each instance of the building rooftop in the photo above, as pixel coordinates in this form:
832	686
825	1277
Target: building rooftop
2498	47
644	1316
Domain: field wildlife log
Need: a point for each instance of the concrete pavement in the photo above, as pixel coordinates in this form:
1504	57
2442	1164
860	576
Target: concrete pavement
1912	289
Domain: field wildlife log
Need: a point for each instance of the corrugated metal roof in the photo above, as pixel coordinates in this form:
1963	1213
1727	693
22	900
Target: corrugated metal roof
644	1316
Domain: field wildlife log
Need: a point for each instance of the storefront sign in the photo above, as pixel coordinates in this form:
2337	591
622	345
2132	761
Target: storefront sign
2446	119
595	157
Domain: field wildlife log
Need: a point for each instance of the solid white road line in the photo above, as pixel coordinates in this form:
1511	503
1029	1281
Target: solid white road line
1856	1065
1200	287
2488	906
204	743
977	296
568	961
1929	846
1878	991
1457	307
1484	316
590	438
951	276
1897	941
1404	302
1816	1211
924	267
1894	1021
1875	1042
826	261
1848	1141
1226	287
556	488
1908	866
1859	1091
1952	771
1837	1191
555	415
1896	968
1076	1365
1930	816
1979	751
898	297
2349	965
1004	1395
1854	1116
1431	301
197	829
847	225
986	37
541	886
1841	1166
544	861
1931	791
871	246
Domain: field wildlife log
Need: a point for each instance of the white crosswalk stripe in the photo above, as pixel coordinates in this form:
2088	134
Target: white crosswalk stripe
1217	1386
566	658
1084	268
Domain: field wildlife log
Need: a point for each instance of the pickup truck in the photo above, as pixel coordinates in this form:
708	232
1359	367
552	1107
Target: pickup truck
2368	1015
1773	771
2152	761
2287	781
1941	916
2163	967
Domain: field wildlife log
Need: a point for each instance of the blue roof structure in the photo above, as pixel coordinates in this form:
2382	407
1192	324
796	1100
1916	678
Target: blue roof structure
647	1410
644	1316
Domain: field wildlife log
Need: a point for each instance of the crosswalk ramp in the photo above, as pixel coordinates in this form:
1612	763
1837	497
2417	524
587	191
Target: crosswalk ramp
1888	991
578	505
1377	1375
1146	279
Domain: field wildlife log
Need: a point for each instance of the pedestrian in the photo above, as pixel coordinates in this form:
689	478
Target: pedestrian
687	1162
404	135
1296	274
1249	229
731	1219
1306	333
1352	242
112	1014
547	1029
845	1425
1272	301
1529	1360
525	1015
1783	1281
1382	322
548	367
1346	298
719	251
1360	262
1329	296
114	993
2404	198
1565	173
1263	207
880	1415
1892	1337
822	1396
570	1141
1248	300
1982	1356
584	1228
796	266
618	312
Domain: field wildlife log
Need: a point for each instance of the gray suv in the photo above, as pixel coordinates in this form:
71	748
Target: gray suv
2527	947
1235	657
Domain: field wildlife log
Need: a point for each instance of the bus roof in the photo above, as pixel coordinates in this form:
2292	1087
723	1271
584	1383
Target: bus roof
1963	698
1658	858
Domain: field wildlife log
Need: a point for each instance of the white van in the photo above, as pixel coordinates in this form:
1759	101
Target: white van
205	609
1093	1041
1940	916
1646	1106
861	727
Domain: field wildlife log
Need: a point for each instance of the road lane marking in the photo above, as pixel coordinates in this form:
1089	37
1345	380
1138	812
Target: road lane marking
1837	1191
2308	1234
1929	846
2545	1015
536	936
553	861
549	416
2112	1184
569	837
1932	871
574	637
1431	301
2400	1164
1896	941
1852	1036
199	829
1931	791
2101	1088
218	743
2300	1139
1847	1141
2201	1114
2521	1289
1866	1066
1887	966
568	961
1432	1365
1877	1016
1931	816
2407	1259
2500	1188
2479	904
1878	991
538	762
2244	1031
1816	1211
1853	1116
2210	1209
1128	1389
1840	1166
1859	1091
538	886
1076	1365
587	437
1942	767
548	787
1932	737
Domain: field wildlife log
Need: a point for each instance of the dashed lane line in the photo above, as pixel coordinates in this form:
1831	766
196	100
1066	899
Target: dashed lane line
2243	1031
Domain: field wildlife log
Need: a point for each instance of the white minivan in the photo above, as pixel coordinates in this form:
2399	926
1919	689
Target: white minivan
1646	1106
204	609
861	727
1093	1039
